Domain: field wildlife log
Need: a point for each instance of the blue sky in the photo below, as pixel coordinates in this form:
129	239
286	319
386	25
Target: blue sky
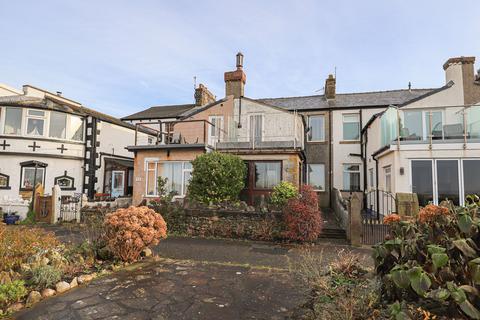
122	56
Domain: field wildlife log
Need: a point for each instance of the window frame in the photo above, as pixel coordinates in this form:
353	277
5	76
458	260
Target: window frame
254	187
184	187
4	120
43	118
387	172
323	176
6	187
65	176
345	171
50	122
357	115
309	135
22	175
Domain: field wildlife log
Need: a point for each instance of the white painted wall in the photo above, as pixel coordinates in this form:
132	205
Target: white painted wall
10	165
341	150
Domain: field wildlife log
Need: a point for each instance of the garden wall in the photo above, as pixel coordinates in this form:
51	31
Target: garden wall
222	223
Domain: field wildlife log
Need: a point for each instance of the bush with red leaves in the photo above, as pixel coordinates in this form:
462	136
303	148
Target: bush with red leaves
303	219
129	231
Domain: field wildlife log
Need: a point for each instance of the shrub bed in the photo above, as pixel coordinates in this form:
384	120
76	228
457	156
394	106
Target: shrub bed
433	262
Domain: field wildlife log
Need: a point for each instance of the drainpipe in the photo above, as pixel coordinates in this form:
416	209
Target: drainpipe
377	193
330	156
239	125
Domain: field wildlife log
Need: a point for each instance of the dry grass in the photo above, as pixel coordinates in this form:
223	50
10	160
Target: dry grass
339	290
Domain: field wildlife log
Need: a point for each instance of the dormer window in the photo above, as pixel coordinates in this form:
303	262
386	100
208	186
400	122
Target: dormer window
35	122
13	121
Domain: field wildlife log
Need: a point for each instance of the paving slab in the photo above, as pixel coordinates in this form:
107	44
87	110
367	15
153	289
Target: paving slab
173	289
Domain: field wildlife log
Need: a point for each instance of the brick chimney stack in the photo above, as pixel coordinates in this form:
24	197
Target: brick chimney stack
330	85
203	96
235	80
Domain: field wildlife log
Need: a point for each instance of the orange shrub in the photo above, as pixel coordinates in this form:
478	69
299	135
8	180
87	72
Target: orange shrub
17	244
129	231
432	212
391	218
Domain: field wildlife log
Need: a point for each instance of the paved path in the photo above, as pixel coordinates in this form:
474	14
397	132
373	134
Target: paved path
169	289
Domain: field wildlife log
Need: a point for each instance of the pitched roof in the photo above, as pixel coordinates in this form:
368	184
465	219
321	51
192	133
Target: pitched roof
347	100
51	103
159	112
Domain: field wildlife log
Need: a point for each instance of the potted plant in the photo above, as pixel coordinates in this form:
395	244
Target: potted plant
11	218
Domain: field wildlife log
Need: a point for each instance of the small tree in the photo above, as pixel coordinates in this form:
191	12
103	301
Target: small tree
217	177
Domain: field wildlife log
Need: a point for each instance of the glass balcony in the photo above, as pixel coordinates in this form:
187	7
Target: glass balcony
430	125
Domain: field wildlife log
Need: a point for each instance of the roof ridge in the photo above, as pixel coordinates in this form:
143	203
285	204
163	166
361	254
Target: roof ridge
348	93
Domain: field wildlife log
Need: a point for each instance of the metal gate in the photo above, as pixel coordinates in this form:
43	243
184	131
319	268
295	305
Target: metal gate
69	208
374	230
378	204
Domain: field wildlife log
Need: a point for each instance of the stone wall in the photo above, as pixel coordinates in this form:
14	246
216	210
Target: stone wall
222	223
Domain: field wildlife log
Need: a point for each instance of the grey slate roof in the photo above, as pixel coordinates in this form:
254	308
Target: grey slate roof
159	112
347	100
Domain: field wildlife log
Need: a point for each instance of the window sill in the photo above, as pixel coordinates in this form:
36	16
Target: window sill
5	188
318	142
350	142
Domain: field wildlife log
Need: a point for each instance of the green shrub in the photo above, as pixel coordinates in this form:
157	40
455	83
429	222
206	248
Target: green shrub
30	219
283	192
433	261
45	276
217	177
12	292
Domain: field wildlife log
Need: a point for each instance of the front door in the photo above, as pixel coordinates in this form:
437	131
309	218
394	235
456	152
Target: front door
118	183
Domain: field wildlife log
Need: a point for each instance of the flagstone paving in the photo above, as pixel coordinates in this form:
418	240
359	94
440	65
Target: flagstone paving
173	289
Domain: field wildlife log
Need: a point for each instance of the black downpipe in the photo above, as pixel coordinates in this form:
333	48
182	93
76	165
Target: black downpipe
330	157
377	193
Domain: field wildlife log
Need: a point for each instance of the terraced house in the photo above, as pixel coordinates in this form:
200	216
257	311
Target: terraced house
307	139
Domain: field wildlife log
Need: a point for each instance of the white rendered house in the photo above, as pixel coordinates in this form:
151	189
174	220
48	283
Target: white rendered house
48	139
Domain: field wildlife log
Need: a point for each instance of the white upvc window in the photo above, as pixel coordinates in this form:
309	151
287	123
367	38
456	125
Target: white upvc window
35	122
351	177
388	178
215	130
371	177
58	125
177	173
316	128
351	126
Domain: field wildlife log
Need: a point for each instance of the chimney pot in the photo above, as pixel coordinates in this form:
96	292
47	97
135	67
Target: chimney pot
235	80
